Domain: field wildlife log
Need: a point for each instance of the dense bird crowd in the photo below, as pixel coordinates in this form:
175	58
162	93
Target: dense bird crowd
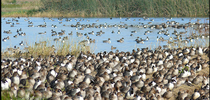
142	74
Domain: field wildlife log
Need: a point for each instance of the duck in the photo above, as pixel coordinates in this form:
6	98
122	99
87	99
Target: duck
85	41
107	41
42	32
133	31
118	32
168	94
4	39
37	95
199	51
58	39
197	79
15	78
61	33
170	85
79	34
30	25
92	33
196	95
5	84
8	32
121	40
71	33
112	48
182	94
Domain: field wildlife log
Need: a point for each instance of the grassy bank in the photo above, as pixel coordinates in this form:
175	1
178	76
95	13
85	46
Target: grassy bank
44	48
114	8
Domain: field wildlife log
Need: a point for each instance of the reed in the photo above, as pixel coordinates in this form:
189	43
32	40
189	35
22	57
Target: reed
116	8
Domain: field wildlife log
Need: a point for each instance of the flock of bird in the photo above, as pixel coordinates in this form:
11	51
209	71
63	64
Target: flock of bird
142	74
174	38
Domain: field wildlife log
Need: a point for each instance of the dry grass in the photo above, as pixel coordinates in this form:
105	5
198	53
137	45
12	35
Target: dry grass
190	88
45	49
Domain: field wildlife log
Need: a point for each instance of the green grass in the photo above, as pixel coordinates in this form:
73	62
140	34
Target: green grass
114	8
117	8
6	96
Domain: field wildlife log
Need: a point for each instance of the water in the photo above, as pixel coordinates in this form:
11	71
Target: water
129	43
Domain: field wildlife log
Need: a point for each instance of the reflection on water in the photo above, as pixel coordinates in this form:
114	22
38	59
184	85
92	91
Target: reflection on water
116	28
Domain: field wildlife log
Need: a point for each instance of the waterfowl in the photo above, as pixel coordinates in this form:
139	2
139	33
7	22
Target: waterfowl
107	41
61	33
118	32
92	33
4	39
196	95
23	34
21	43
8	32
182	94
197	79
113	96
133	31
57	39
37	94
71	33
47	93
121	40
54	26
79	34
168	94
5	84
112	48
199	51
85	42
30	25
12	25
42	32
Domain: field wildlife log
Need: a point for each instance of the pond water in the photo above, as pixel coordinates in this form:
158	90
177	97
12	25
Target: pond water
124	25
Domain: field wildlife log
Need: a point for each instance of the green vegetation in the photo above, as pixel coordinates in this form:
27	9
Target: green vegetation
119	8
5	95
116	8
186	68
